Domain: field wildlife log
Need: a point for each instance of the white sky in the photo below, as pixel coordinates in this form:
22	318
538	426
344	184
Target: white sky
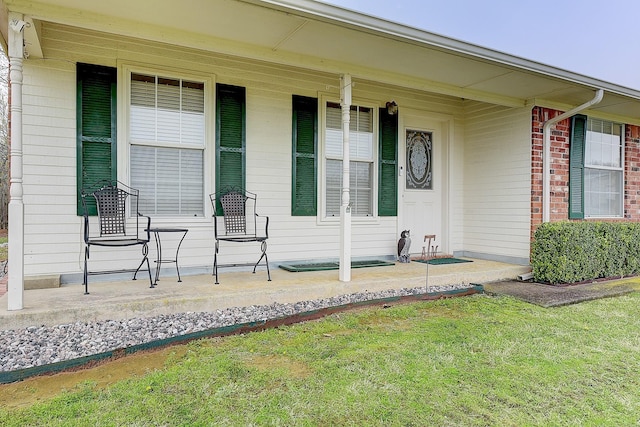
595	38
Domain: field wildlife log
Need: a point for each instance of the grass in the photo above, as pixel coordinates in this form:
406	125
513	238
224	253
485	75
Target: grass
3	249
472	361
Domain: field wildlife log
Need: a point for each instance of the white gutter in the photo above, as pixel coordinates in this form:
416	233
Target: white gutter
546	152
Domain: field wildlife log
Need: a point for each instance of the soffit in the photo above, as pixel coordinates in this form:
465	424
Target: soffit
334	40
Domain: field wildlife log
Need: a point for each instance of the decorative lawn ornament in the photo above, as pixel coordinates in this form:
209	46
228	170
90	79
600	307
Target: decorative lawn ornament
403	246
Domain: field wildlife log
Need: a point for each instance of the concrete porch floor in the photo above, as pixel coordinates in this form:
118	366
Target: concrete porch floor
116	300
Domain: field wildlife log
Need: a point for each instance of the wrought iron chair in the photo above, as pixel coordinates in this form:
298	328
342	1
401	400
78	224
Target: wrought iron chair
240	223
112	200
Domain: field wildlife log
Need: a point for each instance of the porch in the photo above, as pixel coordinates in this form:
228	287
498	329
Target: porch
114	300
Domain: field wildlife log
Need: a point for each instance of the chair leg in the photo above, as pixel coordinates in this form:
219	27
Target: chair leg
263	248
215	261
145	251
86	272
145	258
266	261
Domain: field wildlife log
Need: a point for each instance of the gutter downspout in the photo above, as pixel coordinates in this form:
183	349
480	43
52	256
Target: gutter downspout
546	152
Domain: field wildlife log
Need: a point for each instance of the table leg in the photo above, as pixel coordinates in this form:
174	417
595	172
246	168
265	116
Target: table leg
159	257
178	251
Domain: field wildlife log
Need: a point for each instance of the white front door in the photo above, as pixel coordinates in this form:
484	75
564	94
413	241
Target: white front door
423	149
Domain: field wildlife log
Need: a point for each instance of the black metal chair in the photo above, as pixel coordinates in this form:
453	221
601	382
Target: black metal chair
112	200
240	223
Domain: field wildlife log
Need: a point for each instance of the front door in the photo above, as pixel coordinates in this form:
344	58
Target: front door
422	158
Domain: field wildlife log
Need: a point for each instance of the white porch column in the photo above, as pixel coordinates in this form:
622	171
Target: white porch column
15	291
345	208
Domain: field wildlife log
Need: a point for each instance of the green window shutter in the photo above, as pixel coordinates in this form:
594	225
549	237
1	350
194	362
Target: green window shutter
576	166
388	164
96	129
304	180
230	136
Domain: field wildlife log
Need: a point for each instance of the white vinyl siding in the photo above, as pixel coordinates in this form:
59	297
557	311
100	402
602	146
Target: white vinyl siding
497	182
167	137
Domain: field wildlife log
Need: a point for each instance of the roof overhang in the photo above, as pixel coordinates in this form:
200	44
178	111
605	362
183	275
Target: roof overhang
318	36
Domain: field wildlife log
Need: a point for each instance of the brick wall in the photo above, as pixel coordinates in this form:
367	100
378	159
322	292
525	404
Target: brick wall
632	173
559	185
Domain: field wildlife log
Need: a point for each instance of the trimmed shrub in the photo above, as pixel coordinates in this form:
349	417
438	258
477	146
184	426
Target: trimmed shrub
570	252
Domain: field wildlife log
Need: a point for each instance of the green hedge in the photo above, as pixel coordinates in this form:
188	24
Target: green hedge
570	252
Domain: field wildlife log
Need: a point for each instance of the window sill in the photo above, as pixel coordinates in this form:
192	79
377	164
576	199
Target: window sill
335	220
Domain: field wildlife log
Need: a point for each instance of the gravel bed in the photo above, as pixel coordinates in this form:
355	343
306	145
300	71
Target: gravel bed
43	345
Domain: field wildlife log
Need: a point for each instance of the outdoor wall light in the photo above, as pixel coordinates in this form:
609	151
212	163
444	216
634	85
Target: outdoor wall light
392	108
17	25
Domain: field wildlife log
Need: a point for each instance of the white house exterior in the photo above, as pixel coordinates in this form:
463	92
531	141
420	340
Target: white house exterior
472	105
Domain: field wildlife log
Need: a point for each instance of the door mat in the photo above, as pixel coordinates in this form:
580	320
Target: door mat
318	266
439	261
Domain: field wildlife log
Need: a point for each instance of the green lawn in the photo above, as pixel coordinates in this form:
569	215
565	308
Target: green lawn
3	249
470	361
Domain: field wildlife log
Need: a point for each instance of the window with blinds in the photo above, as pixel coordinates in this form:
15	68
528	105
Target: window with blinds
596	174
167	140
603	167
361	160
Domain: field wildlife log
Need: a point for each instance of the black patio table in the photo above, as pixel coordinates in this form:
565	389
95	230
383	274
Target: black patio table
156	233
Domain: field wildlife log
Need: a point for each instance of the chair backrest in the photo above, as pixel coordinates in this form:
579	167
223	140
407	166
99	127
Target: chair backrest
237	206
111	204
235	215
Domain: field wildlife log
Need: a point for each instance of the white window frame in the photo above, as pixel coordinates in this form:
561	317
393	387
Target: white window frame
603	167
322	193
124	126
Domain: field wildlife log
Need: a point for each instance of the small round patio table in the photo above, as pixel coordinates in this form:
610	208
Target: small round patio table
156	233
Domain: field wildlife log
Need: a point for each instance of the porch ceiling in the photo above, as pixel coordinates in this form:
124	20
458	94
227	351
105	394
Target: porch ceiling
309	34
